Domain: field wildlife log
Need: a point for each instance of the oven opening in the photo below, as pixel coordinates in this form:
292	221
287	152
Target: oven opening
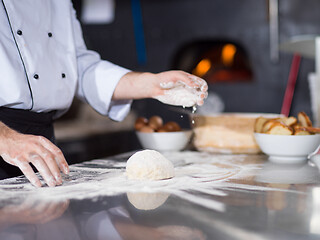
215	61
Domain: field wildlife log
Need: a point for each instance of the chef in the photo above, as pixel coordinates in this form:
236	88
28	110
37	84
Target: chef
44	64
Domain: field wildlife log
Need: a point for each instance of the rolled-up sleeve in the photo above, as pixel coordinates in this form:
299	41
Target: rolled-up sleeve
97	79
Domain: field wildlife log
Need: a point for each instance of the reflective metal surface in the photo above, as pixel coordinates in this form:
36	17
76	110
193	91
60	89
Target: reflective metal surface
211	197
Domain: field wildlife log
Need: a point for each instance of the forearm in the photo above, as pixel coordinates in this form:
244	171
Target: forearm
5	135
135	85
4	130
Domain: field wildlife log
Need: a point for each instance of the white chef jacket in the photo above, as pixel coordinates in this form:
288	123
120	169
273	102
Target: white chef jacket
44	62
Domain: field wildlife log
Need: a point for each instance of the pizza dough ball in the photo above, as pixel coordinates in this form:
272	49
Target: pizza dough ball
149	165
147	201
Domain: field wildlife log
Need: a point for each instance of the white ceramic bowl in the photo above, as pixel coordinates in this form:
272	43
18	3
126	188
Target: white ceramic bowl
165	141
287	148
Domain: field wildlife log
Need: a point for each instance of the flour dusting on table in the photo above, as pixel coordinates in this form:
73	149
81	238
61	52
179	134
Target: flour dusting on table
196	174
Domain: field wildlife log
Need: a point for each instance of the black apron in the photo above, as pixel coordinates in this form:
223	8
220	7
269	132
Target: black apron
25	121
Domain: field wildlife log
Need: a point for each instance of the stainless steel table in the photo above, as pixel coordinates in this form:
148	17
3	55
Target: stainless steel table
210	197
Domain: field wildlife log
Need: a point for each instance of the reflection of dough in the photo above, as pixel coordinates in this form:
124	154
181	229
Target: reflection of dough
149	165
147	201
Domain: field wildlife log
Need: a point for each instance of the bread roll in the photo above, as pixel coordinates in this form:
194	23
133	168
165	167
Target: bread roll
279	128
304	120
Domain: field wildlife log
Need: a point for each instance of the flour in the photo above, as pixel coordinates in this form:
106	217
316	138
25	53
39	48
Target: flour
196	175
180	94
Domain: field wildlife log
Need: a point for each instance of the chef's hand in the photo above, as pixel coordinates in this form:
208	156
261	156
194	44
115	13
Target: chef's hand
22	149
136	85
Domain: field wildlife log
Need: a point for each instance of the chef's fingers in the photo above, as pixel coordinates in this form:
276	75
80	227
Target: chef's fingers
191	80
200	102
42	167
27	170
201	97
204	95
201	83
204	87
177	77
58	155
50	161
62	163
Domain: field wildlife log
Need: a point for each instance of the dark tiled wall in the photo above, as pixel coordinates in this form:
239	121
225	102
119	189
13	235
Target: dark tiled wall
169	24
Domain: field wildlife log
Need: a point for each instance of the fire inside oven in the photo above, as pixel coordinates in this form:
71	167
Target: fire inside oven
215	61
